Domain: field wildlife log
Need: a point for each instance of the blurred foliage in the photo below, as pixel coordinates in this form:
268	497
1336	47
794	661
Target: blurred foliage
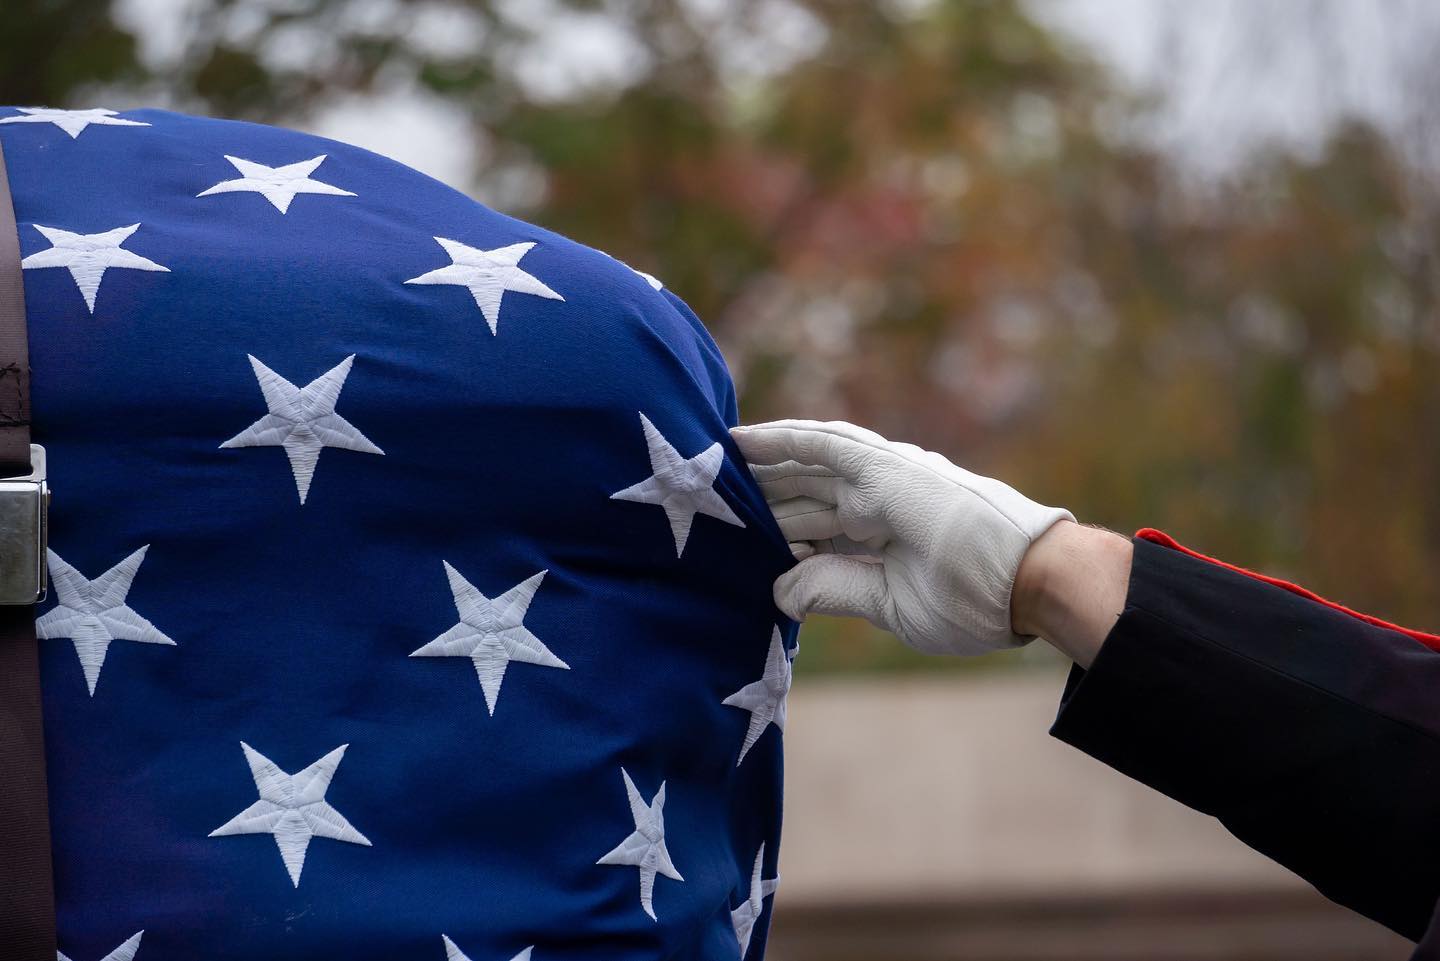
920	217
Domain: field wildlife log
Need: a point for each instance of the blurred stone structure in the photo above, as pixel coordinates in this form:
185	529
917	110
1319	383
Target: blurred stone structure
934	819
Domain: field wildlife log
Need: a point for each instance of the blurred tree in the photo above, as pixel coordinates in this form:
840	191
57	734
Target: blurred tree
919	216
50	49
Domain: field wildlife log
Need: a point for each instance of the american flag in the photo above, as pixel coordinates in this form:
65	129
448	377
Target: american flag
409	598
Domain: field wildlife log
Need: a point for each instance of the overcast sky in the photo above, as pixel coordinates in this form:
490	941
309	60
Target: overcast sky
1237	73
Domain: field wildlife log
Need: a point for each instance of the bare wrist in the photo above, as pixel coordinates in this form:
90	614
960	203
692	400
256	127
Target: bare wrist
1071	588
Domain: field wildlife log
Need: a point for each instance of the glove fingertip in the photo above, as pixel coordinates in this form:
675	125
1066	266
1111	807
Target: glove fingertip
787	607
786	594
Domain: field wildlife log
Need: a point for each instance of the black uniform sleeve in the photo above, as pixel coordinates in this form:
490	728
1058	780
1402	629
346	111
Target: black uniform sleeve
1312	734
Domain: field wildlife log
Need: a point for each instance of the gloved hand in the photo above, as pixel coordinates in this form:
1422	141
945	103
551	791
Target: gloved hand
893	533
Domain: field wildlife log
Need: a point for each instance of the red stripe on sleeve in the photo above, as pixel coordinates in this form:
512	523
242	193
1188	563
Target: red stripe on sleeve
1431	641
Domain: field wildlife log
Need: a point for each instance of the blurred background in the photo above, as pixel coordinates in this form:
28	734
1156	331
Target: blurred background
1164	262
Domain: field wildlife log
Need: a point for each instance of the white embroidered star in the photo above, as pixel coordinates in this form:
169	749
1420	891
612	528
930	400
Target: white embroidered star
302	420
126	951
293	808
765	698
91	614
645	847
453	953
683	486
279	185
72	122
650	279
487	274
492	633
744	917
88	256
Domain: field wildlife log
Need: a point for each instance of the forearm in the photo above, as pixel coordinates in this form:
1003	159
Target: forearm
1312	734
1071	588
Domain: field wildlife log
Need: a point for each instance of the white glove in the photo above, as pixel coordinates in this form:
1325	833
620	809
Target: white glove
893	533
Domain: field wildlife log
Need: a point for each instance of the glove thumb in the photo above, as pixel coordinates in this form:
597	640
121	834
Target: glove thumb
835	584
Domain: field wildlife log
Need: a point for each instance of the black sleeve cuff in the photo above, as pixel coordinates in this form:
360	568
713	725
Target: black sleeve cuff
1313	736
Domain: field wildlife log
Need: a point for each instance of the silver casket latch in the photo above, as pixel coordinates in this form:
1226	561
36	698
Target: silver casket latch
24	504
